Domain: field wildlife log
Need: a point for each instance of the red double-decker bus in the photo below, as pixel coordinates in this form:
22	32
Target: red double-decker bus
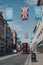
24	48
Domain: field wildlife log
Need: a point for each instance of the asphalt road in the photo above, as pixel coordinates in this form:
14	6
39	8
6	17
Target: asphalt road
15	60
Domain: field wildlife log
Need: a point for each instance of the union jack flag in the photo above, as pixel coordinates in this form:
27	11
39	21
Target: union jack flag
24	13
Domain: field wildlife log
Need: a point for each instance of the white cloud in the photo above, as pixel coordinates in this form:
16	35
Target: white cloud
31	2
15	26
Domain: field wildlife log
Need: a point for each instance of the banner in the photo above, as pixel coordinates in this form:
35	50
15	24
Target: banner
38	13
9	14
42	13
24	13
26	35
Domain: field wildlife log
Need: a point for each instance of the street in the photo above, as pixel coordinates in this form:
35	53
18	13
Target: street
15	60
21	32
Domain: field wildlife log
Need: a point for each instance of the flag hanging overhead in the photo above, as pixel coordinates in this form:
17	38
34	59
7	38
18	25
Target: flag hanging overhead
24	13
38	13
26	35
42	13
9	14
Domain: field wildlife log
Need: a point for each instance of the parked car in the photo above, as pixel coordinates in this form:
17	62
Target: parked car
14	51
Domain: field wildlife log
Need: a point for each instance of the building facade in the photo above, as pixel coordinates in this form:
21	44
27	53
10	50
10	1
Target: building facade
9	40
14	35
6	39
3	25
37	42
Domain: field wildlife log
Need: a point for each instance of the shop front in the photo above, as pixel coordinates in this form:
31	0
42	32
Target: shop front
40	47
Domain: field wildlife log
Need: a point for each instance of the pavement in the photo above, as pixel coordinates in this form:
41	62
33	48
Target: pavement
39	60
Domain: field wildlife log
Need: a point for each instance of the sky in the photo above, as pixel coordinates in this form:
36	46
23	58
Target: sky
21	27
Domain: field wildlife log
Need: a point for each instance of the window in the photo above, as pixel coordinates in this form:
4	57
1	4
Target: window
41	32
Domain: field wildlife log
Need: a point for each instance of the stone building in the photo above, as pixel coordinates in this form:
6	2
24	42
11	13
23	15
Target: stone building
9	39
6	39
3	25
37	41
14	35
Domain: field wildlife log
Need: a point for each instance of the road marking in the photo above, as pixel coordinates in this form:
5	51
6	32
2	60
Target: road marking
27	61
5	57
30	60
